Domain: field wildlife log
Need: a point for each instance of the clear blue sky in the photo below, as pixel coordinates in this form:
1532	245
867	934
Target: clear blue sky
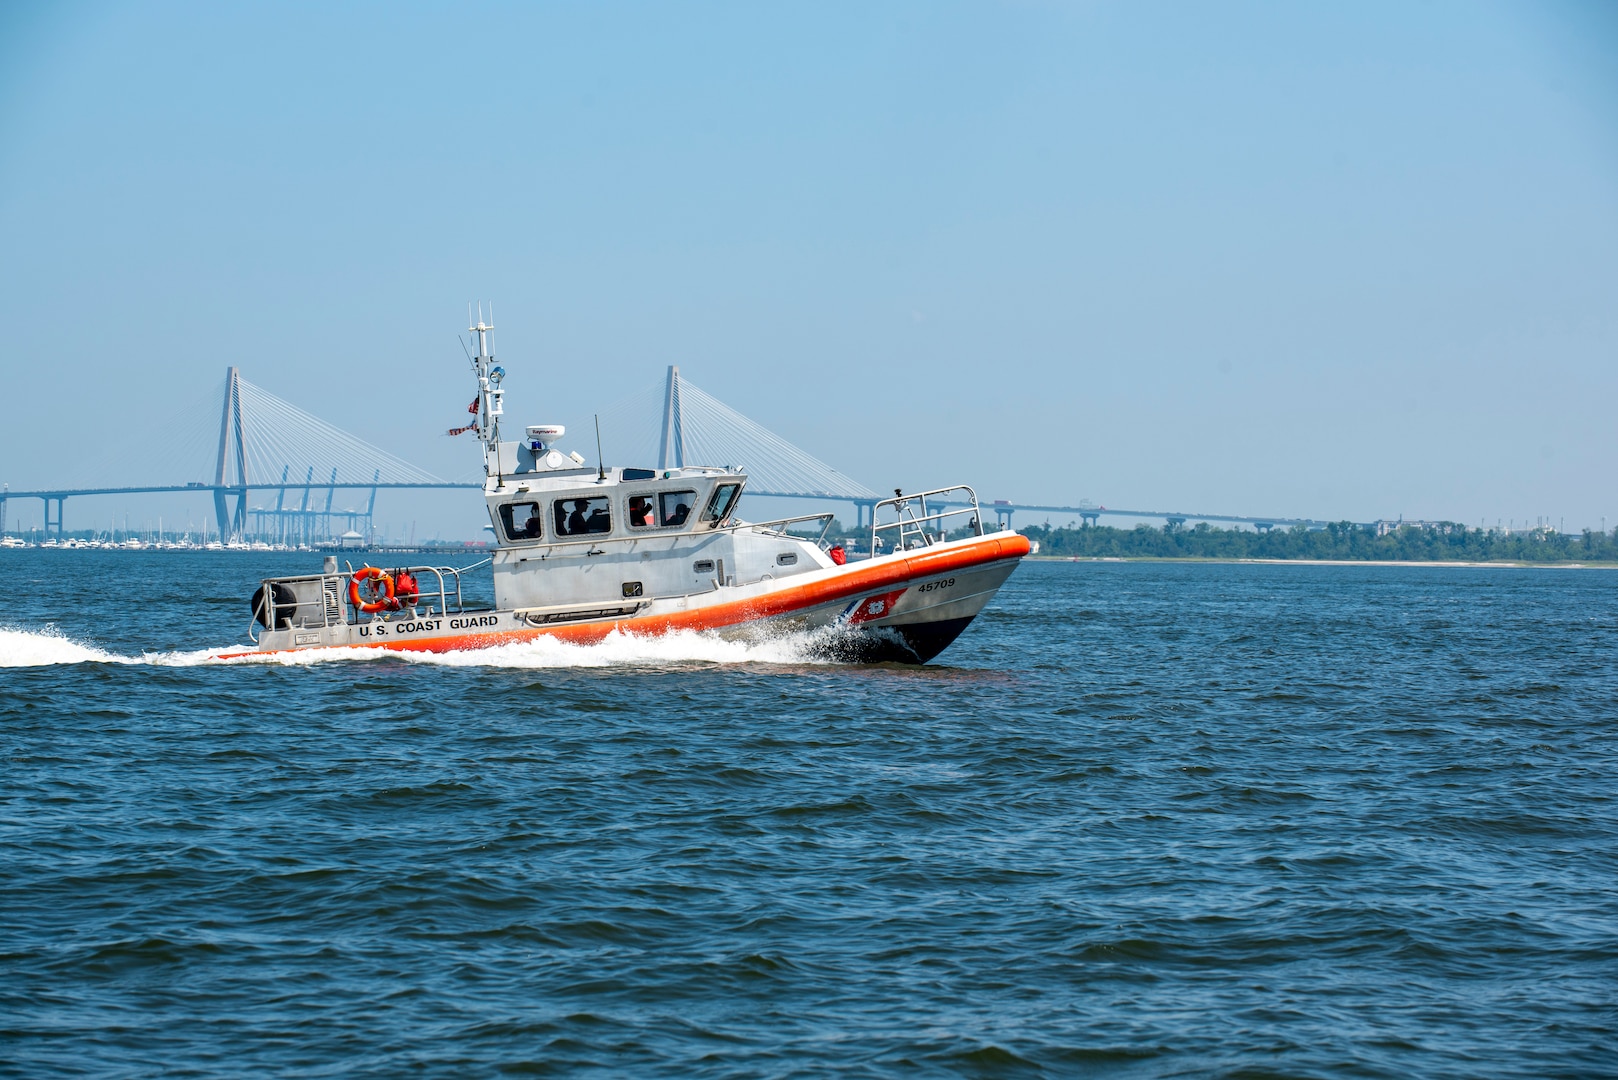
1346	261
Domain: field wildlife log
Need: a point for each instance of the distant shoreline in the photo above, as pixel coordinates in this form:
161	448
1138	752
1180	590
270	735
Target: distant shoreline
1441	543
1498	565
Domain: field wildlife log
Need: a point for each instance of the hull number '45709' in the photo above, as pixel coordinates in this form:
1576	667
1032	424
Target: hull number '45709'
942	583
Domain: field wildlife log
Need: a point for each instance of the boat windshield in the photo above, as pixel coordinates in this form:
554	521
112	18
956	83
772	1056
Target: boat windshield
722	503
581	517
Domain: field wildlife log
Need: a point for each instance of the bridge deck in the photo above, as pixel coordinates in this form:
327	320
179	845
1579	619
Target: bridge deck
260	433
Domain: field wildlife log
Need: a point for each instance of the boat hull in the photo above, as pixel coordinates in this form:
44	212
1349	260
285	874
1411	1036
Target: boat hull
905	607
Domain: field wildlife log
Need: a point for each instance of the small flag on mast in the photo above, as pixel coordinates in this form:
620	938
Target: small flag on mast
473	409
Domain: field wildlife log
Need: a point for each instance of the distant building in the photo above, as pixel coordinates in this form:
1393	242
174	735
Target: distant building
1385	527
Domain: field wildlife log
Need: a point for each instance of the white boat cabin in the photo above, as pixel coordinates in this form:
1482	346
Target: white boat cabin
566	535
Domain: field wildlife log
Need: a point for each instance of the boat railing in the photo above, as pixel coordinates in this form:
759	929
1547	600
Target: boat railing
778	527
912	518
593	542
320	600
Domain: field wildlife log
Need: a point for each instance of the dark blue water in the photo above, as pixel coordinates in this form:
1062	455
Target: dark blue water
1141	820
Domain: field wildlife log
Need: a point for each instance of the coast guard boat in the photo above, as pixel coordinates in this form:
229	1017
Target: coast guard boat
581	552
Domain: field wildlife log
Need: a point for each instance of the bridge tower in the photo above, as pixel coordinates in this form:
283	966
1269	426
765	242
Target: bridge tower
672	453
231	524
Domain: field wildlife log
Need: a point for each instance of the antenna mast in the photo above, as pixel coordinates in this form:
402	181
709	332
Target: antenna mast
490	395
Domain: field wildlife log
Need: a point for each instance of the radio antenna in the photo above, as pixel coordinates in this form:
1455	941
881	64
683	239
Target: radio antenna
601	466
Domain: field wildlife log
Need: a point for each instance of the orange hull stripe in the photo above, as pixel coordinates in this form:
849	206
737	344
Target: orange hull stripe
714	616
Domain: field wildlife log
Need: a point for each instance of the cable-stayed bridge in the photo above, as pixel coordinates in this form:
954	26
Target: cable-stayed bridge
269	447
674	422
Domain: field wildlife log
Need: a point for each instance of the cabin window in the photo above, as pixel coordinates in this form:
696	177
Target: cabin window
674	507
582	517
522	521
722	503
640	511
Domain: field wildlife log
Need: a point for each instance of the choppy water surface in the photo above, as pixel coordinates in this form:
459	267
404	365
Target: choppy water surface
1141	820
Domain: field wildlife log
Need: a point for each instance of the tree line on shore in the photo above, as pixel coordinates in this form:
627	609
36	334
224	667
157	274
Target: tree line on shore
1339	540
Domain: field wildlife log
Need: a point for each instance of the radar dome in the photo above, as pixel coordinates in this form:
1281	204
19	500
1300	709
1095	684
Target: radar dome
543	435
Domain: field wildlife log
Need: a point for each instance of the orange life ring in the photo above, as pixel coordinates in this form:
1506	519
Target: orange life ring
381	593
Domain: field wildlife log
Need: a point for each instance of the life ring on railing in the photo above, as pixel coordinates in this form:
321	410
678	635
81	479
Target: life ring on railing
405	589
378	587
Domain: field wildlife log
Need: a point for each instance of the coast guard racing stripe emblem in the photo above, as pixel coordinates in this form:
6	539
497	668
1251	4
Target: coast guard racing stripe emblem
871	607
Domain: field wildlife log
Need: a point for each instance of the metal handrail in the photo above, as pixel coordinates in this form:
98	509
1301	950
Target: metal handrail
536	543
271	611
441	573
825	518
663	534
910	524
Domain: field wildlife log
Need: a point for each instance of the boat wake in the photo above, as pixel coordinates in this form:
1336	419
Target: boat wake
26	648
49	647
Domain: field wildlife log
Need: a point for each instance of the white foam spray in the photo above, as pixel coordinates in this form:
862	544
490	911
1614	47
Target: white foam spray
29	648
25	648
